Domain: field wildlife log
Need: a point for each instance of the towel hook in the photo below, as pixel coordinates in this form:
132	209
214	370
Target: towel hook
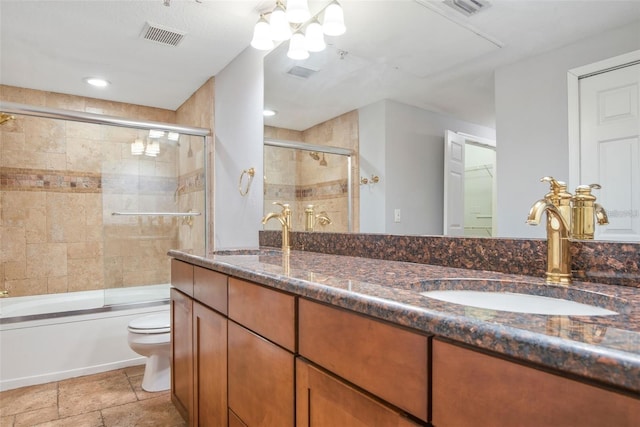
251	172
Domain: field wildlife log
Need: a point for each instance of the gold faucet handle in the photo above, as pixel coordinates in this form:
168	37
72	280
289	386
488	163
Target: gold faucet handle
284	205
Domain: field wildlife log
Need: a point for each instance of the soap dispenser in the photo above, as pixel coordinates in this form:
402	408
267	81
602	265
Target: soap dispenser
559	197
586	212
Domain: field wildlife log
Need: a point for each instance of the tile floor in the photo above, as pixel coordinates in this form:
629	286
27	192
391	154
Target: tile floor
109	399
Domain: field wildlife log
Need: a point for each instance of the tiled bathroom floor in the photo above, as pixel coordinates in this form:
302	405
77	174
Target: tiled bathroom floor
109	399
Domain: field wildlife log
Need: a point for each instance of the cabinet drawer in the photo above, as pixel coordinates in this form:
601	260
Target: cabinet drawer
385	360
182	276
210	288
469	386
265	311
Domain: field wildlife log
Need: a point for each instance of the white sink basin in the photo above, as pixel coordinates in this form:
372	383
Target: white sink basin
518	303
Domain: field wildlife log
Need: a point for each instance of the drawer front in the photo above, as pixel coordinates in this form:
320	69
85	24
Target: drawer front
469	386
182	276
385	360
265	311
210	288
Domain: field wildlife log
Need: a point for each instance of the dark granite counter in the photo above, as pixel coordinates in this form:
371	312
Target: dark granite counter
604	349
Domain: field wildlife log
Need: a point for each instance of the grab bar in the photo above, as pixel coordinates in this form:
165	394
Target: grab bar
157	213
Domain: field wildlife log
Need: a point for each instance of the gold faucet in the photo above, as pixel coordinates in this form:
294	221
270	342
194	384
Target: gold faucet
311	218
559	197
586	212
558	245
4	293
285	219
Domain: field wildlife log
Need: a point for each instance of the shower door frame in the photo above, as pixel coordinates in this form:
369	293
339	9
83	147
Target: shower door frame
100	119
297	145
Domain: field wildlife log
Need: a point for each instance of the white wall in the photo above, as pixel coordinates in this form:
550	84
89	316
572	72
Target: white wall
238	146
532	123
372	162
413	164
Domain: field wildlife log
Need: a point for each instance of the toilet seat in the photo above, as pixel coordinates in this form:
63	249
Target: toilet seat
152	324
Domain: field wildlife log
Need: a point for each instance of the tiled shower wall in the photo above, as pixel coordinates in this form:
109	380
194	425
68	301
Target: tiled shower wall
60	182
300	178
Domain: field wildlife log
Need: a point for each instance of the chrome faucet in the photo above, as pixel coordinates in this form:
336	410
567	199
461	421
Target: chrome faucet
558	244
285	219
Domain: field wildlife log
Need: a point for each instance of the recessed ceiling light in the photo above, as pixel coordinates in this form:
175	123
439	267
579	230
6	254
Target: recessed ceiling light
269	113
97	82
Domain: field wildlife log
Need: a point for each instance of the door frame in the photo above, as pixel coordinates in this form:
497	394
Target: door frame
573	91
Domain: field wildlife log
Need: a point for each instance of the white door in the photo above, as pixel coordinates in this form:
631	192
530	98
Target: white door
610	148
453	184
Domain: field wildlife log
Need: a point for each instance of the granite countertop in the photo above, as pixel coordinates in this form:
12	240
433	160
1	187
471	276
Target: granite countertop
602	348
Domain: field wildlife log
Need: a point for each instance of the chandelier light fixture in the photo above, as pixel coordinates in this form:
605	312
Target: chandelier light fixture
295	23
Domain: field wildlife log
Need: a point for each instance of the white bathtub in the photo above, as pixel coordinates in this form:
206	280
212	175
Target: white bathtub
54	337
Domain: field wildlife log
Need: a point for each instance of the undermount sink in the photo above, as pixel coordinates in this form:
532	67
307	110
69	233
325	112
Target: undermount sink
521	297
518	303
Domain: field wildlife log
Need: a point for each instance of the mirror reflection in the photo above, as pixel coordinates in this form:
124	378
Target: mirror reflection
406	72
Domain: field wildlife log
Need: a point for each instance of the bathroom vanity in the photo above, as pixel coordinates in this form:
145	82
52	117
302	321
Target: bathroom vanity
264	338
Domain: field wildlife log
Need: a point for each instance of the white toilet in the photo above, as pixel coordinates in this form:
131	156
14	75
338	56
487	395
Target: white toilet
150	336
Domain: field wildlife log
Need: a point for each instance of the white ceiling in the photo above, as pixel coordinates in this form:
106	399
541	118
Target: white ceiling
421	52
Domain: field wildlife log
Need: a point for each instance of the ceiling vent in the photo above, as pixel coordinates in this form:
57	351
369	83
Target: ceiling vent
161	34
468	7
301	72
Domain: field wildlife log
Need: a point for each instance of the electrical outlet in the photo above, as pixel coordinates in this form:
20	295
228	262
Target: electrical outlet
396	215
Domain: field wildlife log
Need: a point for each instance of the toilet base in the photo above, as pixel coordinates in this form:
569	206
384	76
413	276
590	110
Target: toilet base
157	374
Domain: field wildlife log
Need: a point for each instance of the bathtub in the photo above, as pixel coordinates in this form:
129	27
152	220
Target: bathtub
53	337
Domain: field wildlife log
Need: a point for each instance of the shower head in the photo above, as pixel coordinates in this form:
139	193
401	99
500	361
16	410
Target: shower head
323	162
314	155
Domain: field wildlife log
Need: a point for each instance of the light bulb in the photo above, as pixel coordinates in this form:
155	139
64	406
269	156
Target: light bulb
297	48
262	35
333	24
280	29
314	37
298	11
137	147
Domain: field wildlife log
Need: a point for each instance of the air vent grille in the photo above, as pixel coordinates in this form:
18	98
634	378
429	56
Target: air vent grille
163	35
468	7
301	72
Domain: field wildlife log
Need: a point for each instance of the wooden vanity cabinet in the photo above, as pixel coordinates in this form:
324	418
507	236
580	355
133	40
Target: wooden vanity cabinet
261	347
182	353
469	386
199	345
323	400
385	360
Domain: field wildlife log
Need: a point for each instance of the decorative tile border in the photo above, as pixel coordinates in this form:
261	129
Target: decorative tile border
322	190
14	179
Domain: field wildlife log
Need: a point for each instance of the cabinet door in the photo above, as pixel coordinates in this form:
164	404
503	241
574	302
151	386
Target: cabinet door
385	360
323	401
210	364
182	354
261	389
469	386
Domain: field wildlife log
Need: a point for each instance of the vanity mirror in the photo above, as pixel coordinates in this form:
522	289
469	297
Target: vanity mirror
407	71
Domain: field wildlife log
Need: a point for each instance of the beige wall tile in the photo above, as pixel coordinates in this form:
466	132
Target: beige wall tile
81	155
85	274
46	259
14	244
57	284
15	270
17	288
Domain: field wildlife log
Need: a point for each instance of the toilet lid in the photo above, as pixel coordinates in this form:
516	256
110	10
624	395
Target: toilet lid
152	324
